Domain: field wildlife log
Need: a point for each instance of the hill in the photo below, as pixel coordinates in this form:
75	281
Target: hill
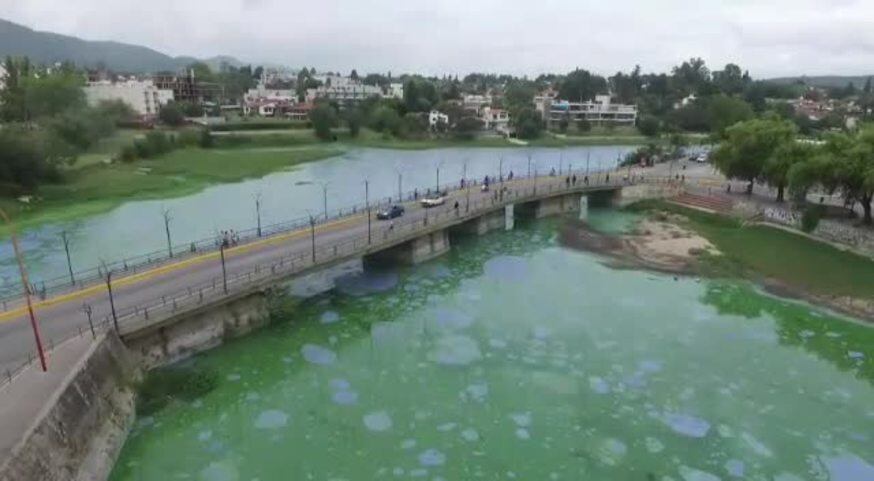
48	48
824	81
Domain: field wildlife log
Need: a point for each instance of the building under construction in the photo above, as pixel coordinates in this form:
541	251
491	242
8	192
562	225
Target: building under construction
186	88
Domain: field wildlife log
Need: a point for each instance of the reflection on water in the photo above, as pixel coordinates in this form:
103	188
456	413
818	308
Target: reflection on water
512	358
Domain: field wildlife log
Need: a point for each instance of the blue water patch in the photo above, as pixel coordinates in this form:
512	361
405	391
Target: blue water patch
507	268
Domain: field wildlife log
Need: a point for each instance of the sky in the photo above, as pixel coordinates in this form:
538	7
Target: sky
767	37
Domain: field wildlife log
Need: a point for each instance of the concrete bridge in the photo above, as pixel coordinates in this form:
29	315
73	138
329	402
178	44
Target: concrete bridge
169	311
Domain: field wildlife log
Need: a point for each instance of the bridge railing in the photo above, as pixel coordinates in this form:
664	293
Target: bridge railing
134	264
143	314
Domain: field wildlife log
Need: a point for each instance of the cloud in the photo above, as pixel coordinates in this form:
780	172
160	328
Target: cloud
778	37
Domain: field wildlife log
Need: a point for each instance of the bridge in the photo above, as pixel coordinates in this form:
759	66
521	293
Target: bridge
194	300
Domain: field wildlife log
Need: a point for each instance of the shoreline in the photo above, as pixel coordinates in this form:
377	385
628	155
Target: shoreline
645	250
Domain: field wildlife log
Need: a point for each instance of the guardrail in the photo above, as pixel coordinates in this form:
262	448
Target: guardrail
154	311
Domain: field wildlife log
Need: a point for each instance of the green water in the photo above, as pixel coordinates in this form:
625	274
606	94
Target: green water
514	358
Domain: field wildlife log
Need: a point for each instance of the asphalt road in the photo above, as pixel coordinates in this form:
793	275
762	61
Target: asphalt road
62	316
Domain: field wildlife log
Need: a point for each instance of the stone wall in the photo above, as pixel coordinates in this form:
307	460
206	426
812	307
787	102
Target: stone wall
557	205
79	435
429	246
633	193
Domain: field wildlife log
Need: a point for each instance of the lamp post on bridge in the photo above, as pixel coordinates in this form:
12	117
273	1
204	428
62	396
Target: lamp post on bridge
258	211
529	164
400	183
313	235
466	188
224	268
111	298
367	208
67	251
325	199
167	219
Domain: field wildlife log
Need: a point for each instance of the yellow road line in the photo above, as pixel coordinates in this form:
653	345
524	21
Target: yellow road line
148	274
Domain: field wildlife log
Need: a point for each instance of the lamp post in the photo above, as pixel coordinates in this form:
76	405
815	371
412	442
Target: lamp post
325	199
26	285
224	268
438	179
529	164
588	154
111	298
466	188
67	251
400	189
501	169
313	236
167	218
258	211
367	208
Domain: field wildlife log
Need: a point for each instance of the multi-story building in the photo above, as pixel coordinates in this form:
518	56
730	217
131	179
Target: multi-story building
141	95
599	111
263	101
476	102
344	95
435	117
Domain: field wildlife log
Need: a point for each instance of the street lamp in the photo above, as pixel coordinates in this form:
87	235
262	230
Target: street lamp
258	211
224	268
67	250
467	187
367	207
167	219
313	235
400	189
111	297
26	285
325	198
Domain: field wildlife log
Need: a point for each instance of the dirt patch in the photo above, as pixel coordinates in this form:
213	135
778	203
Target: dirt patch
658	243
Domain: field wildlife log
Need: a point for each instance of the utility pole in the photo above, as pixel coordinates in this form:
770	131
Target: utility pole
26	285
313	236
258	211
67	251
167	230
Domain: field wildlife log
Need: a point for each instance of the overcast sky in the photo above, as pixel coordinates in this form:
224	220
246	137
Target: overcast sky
768	37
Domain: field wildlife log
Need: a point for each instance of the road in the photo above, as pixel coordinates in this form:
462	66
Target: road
63	315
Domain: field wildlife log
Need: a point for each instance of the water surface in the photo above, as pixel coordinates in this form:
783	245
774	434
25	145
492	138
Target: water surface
514	358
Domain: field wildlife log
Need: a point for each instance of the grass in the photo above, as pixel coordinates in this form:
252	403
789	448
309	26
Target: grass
105	149
97	188
774	253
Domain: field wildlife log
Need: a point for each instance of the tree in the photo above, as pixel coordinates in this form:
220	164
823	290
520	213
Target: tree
724	111
323	118
748	145
171	114
649	125
354	75
385	119
855	171
528	123
777	167
467	127
581	85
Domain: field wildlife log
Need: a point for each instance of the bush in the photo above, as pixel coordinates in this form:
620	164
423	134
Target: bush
206	140
810	217
155	144
261	125
128	154
188	138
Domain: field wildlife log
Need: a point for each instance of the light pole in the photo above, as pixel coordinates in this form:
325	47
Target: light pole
111	299
325	199
529	165
367	207
501	169
26	285
438	178
258	211
466	187
67	251
400	189
560	160
167	230
313	236
224	268
588	154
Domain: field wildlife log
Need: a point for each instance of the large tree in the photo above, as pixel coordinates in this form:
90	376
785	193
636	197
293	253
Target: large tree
323	118
747	146
777	167
581	86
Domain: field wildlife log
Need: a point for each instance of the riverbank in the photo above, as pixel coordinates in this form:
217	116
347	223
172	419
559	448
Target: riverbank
99	188
787	264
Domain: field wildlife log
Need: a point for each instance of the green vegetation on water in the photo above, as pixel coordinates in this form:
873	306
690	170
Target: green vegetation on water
792	259
98	188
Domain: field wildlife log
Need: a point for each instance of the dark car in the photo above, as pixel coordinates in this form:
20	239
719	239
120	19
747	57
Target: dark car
391	212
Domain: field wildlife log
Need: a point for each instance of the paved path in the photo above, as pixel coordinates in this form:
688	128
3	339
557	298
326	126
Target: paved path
62	316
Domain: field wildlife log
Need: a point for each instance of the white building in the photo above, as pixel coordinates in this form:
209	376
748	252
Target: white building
495	119
345	94
395	90
476	102
2	77
264	102
436	117
599	111
141	95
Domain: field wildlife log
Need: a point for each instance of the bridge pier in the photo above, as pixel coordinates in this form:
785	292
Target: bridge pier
419	250
557	205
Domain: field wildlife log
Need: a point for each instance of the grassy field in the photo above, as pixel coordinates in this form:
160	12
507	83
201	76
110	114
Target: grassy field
97	188
793	259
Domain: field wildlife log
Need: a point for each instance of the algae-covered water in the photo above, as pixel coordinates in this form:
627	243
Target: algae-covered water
515	358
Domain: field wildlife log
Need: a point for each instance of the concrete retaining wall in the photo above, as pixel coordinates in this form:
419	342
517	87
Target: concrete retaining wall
79	435
557	205
198	331
633	193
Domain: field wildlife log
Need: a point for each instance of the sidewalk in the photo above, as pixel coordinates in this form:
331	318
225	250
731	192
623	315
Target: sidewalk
24	401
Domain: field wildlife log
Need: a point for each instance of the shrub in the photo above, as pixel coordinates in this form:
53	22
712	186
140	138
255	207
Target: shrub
128	154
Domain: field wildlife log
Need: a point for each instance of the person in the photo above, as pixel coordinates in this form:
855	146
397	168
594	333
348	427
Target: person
608	178
415	194
574	179
567	181
391	225
586	180
456	206
510	177
552	172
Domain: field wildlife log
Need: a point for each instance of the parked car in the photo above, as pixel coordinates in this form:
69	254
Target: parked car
433	200
701	159
390	213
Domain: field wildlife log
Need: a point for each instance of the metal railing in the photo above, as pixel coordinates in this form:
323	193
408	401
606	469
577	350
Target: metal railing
520	189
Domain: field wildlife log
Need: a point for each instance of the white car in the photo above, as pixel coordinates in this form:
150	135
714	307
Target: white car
701	159
433	201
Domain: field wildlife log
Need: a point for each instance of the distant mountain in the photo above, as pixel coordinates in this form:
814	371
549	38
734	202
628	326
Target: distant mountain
825	81
48	48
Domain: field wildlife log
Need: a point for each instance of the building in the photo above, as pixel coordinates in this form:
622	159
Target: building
2	77
495	119
344	95
300	111
186	88
476	102
599	111
141	95
266	102
395	90
436	118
